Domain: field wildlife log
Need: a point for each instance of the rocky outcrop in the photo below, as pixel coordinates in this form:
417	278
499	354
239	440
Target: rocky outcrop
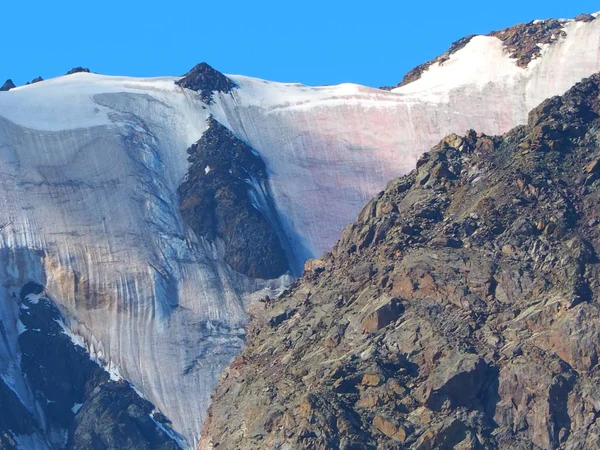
79	399
584	18
523	42
206	81
78	69
7	86
460	310
225	195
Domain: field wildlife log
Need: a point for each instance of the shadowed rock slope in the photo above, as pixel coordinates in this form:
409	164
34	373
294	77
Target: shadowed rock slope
461	310
82	405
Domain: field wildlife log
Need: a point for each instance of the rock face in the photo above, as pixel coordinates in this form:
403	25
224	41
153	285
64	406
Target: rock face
225	195
7	86
524	42
206	81
83	405
460	310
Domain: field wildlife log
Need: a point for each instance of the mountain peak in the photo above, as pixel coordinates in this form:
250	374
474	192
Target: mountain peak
206	80
7	86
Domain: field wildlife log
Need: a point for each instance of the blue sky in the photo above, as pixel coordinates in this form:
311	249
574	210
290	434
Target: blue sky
314	42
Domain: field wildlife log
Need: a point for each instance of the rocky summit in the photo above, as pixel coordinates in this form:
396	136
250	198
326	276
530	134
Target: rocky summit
7	86
460	310
206	80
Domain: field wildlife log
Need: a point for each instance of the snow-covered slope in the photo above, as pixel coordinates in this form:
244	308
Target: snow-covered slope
90	165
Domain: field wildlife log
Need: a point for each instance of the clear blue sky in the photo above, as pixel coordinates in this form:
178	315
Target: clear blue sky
314	42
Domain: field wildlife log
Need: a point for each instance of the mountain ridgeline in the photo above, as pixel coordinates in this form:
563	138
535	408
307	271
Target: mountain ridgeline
460	310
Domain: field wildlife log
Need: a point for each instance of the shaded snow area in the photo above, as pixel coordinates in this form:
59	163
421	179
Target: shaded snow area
89	170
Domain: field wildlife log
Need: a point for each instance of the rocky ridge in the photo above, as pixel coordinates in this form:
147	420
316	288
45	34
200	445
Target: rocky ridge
524	42
461	310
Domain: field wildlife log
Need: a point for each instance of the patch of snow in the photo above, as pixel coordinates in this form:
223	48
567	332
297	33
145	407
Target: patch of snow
75	338
76	407
114	371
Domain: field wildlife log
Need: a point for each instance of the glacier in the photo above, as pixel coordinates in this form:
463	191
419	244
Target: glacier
89	171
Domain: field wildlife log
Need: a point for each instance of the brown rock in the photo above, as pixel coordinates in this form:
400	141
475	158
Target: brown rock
388	428
314	265
373	380
382	316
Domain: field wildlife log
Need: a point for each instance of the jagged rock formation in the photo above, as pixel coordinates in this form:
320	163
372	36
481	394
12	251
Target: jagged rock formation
584	18
461	310
226	195
35	80
206	81
78	69
7	86
524	42
83	405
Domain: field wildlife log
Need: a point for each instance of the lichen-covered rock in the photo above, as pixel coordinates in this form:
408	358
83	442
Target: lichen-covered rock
460	310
